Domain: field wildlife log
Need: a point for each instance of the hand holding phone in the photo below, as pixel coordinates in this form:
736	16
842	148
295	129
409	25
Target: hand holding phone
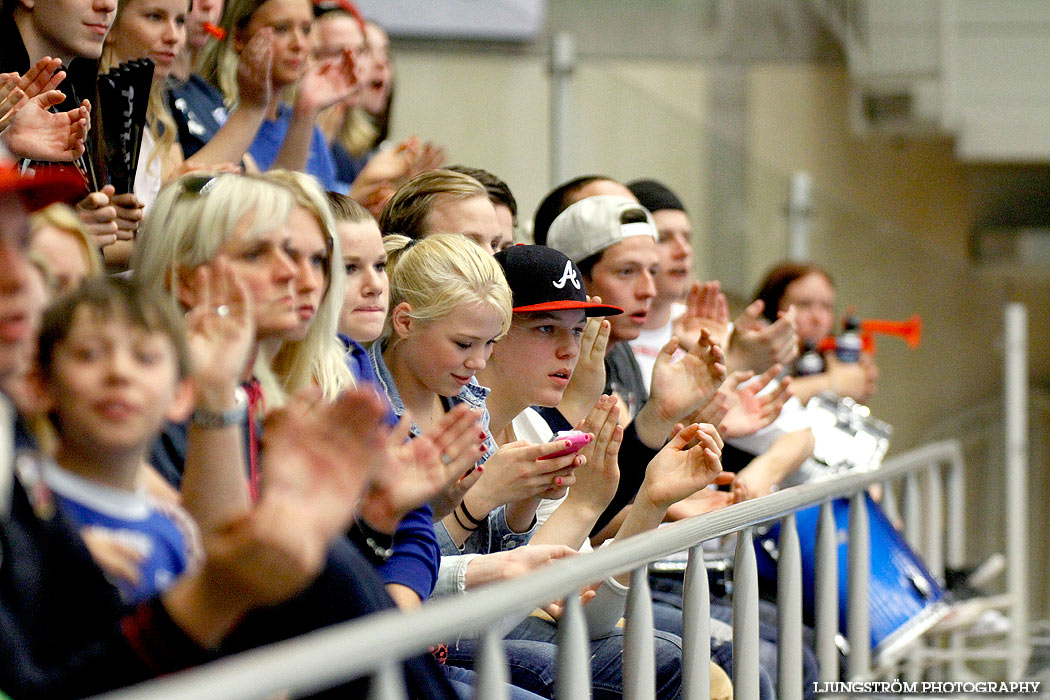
577	439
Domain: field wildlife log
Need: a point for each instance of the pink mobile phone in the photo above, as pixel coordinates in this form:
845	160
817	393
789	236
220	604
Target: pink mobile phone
578	438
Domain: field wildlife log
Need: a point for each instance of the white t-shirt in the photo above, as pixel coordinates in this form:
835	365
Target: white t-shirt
148	173
647	345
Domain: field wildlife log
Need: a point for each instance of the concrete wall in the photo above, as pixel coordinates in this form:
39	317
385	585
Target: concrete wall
891	219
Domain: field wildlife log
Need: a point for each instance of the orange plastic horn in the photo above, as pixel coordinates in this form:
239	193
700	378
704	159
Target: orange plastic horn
910	331
218	32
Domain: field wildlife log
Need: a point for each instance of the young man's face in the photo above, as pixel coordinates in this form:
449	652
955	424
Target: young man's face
111	384
474	217
676	254
536	359
506	226
624	277
68	29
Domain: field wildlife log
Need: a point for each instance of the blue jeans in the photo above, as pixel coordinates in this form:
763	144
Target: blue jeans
767	633
531	652
667	616
462	681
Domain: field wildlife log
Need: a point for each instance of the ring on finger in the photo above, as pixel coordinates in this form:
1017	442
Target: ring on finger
446	459
222	311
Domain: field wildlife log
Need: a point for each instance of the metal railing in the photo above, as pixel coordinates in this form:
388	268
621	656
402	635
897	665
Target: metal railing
374	646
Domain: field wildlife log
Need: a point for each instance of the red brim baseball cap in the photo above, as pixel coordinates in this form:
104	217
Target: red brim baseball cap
45	186
544	279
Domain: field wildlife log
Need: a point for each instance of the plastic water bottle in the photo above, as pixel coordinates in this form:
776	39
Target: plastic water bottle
848	344
809	362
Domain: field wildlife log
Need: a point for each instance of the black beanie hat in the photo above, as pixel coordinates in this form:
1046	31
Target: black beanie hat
654	196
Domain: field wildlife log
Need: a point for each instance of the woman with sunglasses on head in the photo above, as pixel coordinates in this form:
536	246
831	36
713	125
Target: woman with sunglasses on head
237	230
395	526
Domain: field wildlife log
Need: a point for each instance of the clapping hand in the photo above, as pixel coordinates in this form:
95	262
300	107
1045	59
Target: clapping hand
749	409
706	308
686	464
756	345
588	377
433	463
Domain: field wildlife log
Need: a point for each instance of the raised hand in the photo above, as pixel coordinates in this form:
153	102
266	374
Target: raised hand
220	328
327	82
319	456
686	464
706	308
596	485
45	75
255	71
588	378
756	345
749	411
390	168
130	211
35	132
680	389
11	97
428	157
433	463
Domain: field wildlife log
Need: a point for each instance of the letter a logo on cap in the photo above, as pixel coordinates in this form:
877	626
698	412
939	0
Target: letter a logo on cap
569	275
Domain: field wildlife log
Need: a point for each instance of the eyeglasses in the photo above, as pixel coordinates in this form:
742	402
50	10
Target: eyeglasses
198	185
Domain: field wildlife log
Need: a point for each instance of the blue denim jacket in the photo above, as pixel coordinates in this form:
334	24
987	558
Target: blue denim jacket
495	534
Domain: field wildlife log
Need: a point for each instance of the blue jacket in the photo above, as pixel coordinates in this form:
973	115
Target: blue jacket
416	556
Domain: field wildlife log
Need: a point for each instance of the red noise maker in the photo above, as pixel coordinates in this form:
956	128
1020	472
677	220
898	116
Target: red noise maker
216	31
123	96
910	331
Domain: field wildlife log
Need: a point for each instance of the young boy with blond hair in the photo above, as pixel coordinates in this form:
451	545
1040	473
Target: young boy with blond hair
112	368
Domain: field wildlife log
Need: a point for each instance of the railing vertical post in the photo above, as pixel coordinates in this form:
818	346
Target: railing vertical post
859	572
492	677
696	629
1015	491
639	655
889	501
956	538
789	612
934	521
745	619
573	681
826	592
913	512
388	683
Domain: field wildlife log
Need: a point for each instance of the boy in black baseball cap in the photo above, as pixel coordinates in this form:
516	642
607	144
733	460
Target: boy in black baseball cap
533	364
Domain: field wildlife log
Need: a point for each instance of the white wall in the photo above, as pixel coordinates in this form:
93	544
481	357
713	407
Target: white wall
891	220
